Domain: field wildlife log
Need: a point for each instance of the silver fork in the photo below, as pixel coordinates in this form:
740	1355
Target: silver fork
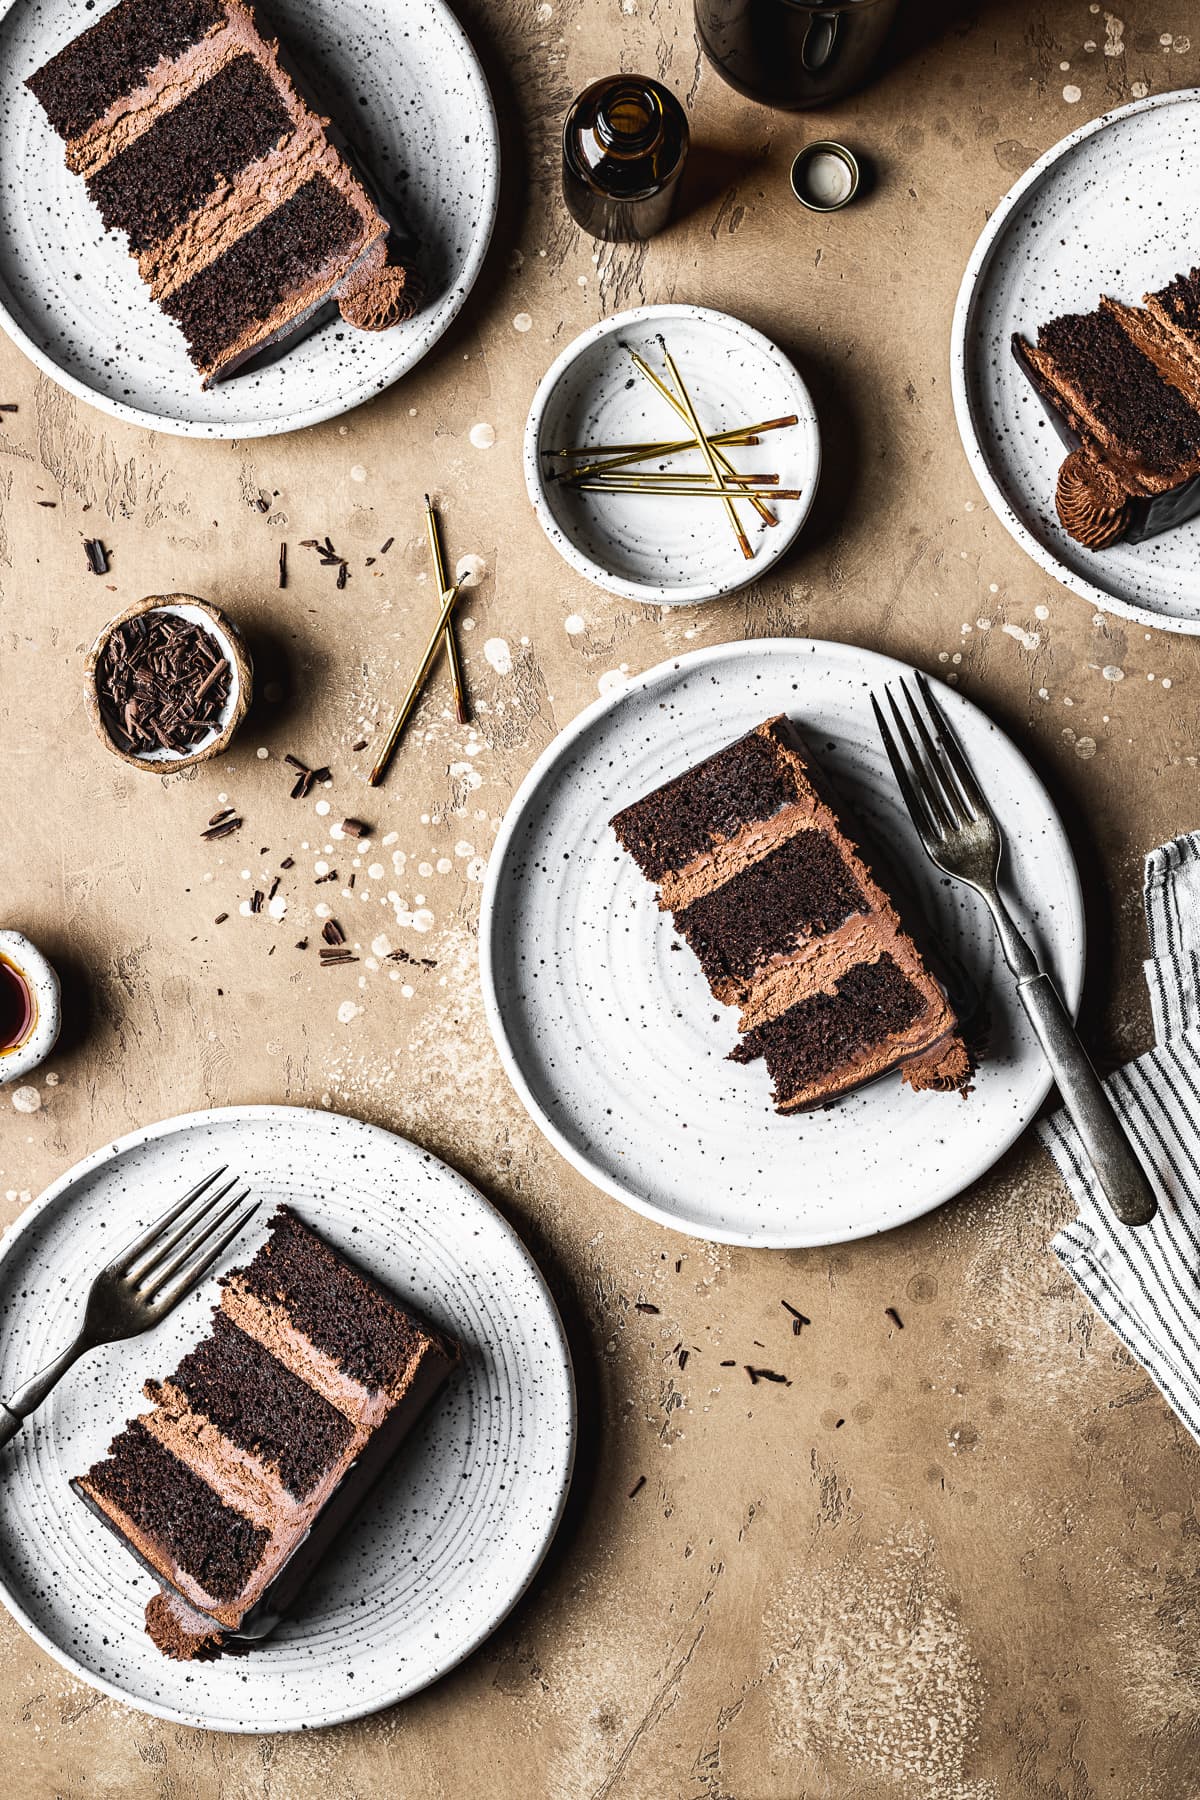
961	837
142	1283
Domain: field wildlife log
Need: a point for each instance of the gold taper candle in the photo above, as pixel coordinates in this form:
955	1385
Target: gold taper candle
439	571
431	649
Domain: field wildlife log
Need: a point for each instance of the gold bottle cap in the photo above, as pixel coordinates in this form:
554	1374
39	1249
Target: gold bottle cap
825	176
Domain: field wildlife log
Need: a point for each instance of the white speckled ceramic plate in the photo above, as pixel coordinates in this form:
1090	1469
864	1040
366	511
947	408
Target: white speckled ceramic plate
615	1044
442	1548
1113	209
398	75
670	551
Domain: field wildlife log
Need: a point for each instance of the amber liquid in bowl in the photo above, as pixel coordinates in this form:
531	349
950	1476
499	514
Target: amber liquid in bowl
18	1009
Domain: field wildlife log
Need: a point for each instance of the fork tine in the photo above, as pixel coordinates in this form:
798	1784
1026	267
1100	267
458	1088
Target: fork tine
917	810
201	1263
141	1270
152	1280
954	752
926	784
129	1255
947	787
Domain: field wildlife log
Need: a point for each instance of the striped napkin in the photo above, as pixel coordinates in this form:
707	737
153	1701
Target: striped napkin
1146	1282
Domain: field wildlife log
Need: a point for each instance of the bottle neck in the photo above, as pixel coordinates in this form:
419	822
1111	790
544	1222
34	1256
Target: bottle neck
629	121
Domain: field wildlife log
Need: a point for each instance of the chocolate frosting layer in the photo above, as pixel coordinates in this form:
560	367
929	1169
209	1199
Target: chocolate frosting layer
1092	505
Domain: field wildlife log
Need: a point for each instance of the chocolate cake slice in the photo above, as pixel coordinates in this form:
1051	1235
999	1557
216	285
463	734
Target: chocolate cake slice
752	857
244	215
264	1440
1122	385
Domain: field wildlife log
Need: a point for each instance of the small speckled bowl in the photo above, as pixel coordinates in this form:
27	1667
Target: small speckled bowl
41	981
233	647
669	550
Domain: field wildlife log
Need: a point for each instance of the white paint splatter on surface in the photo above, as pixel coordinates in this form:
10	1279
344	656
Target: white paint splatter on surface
499	655
1028	640
347	1011
1072	94
574	625
613	680
470	570
522	322
1113	673
26	1100
483	435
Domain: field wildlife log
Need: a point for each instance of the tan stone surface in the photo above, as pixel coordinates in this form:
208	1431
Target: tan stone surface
960	1560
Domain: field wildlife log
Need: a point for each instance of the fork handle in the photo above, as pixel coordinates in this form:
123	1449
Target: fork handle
15	1408
1120	1175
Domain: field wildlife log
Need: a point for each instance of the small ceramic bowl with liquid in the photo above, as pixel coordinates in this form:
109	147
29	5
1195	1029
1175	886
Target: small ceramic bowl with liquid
30	1007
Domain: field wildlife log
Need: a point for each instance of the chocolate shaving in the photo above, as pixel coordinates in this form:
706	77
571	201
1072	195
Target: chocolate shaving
637	1487
332	876
355	828
47	502
417	962
224	827
96	555
332	932
303	944
799	1319
644	1306
343	575
162	680
889	1312
283	565
757	1375
256	903
220	918
264	506
9	406
383	548
334	958
289	862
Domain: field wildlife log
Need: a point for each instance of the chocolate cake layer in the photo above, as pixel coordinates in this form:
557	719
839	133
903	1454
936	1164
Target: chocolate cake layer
1122	386
116	54
223	126
244	216
332	1304
254	277
177	1512
261	1406
799	889
262	1444
784	915
1132	409
1179	302
829	1033
685	817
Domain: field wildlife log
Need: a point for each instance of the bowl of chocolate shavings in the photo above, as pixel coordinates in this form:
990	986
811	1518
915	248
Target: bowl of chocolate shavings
168	682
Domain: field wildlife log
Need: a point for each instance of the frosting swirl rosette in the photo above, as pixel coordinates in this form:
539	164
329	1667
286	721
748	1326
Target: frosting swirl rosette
1092	505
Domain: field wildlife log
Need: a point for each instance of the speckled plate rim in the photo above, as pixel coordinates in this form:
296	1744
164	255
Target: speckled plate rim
777	542
960	334
456	1654
438	324
881	668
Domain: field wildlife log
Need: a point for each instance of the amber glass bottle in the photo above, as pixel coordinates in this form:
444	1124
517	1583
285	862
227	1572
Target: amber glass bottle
625	142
